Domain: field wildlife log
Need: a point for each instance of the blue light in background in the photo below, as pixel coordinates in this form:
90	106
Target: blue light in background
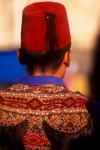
10	68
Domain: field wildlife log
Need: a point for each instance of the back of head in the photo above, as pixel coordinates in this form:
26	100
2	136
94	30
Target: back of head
45	35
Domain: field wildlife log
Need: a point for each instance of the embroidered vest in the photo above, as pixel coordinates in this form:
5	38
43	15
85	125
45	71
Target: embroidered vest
62	109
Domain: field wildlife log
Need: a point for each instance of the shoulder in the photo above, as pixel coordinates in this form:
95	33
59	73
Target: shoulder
77	100
10	105
79	95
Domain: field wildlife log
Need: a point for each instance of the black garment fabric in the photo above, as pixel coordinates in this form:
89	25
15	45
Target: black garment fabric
11	137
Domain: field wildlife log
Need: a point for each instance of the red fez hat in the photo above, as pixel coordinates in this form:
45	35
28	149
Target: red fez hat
45	27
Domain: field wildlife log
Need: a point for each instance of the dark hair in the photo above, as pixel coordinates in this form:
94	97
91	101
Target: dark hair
43	60
85	139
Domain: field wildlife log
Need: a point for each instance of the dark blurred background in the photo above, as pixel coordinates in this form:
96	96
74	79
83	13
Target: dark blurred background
84	20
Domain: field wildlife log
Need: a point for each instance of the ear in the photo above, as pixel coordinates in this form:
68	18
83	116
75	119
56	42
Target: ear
67	58
20	57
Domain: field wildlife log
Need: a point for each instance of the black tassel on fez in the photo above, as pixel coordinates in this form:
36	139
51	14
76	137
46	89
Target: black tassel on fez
51	37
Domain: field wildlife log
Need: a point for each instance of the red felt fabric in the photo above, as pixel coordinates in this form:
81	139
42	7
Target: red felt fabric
34	26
